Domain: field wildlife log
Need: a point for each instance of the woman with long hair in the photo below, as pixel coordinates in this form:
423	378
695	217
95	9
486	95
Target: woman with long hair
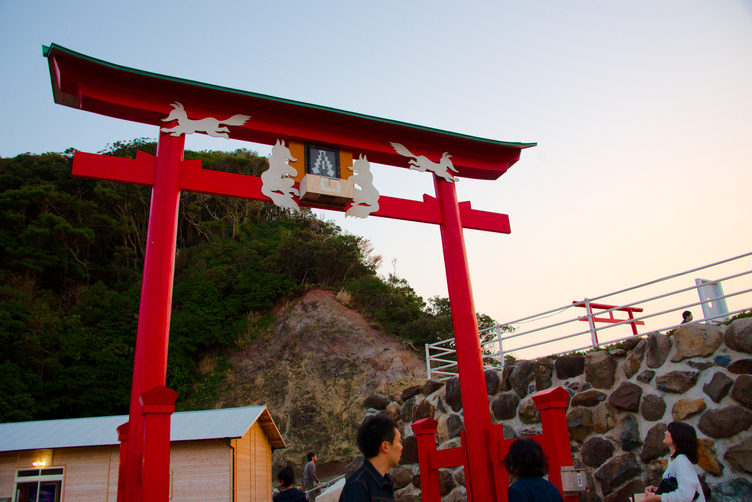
287	492
681	440
527	461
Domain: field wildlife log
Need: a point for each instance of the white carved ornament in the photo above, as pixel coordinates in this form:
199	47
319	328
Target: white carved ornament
209	125
421	163
277	181
366	199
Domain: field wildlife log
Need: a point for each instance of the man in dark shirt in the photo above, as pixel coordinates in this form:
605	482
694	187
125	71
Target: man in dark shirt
381	444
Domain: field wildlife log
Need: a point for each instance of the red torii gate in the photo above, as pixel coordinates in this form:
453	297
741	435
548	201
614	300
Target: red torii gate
100	87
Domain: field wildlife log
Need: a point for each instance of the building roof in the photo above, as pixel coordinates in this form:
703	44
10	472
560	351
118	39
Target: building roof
228	423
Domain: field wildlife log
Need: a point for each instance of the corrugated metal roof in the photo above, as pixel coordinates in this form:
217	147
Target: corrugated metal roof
100	431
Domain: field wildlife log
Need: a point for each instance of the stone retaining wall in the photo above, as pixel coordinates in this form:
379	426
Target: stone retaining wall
622	399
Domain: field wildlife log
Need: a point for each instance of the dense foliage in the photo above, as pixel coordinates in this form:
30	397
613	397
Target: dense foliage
71	258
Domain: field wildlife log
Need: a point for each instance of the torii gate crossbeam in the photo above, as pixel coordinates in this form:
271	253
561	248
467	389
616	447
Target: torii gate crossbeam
100	87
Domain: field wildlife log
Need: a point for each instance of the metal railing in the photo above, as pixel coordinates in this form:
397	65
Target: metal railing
662	306
325	485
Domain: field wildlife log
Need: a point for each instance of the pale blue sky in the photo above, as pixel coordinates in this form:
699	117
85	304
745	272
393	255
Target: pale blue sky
642	112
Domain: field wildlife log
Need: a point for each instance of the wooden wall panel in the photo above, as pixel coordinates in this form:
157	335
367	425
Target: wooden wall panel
27	457
242	468
201	471
8	462
86	472
112	483
260	469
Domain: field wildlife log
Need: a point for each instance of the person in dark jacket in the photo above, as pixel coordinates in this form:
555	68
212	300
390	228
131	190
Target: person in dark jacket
527	461
288	493
380	443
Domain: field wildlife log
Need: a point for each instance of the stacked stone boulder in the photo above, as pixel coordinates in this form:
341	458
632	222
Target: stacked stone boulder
622	400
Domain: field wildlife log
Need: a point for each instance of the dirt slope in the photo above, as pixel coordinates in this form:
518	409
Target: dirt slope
313	368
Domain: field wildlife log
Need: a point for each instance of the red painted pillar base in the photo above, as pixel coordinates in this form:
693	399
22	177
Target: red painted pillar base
552	405
425	431
157	406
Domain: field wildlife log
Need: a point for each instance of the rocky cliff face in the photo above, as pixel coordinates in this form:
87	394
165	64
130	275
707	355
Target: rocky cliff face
313	369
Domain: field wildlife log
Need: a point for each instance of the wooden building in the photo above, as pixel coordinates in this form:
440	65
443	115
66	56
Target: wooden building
215	455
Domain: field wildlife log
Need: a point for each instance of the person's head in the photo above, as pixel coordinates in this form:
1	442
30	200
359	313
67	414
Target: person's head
683	438
687	316
526	458
286	477
311	456
378	435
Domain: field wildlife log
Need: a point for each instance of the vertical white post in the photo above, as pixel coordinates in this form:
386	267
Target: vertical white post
501	348
428	361
593	335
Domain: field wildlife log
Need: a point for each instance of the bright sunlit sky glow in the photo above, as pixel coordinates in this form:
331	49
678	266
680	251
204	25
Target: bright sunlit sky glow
642	112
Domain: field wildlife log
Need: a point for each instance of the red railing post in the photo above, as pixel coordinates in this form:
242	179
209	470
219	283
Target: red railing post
631	317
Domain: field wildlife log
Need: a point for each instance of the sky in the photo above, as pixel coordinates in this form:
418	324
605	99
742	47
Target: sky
641	111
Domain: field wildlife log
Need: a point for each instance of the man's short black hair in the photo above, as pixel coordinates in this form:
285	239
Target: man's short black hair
286	476
310	456
373	431
526	458
686	314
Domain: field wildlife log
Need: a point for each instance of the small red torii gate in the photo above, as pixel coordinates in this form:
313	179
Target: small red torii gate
552	405
592	319
100	87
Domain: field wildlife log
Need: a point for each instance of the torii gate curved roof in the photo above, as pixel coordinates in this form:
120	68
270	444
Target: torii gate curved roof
90	84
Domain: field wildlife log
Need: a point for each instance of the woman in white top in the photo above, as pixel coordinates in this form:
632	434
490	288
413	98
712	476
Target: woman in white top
681	439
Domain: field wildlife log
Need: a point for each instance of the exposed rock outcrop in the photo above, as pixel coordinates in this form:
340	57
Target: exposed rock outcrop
319	368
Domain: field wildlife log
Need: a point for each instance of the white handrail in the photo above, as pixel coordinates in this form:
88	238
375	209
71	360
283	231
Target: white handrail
437	352
677	275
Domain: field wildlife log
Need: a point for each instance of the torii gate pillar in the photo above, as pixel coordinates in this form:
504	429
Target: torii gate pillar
150	365
469	357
